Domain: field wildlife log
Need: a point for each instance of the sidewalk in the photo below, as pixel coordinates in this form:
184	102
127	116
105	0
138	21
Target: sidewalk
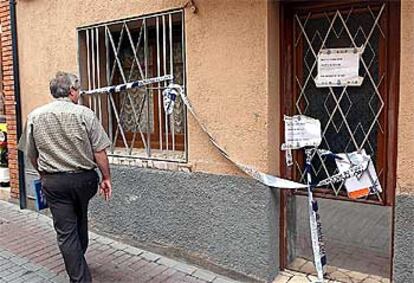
29	253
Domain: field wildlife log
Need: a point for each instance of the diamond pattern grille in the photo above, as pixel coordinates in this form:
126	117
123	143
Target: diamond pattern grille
351	117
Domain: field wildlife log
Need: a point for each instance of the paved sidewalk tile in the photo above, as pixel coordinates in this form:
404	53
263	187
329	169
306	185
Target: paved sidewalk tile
33	258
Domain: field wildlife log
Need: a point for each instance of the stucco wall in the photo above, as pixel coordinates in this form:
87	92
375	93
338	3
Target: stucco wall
404	202
404	239
405	169
228	224
273	84
227	61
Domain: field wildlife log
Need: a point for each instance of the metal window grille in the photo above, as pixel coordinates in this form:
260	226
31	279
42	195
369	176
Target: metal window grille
125	51
352	118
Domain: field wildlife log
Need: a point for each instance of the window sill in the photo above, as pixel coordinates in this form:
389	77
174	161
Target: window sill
154	164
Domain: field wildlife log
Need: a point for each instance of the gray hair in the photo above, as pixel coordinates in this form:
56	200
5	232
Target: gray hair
61	84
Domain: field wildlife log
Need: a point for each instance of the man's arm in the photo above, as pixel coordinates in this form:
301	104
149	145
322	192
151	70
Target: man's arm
33	160
28	146
102	161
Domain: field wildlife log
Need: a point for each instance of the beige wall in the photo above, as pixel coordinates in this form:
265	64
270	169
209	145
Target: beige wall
405	169
231	68
273	84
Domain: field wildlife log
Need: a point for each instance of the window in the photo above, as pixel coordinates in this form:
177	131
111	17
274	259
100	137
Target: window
129	50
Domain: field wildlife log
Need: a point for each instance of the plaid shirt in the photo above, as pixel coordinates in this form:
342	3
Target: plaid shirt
63	136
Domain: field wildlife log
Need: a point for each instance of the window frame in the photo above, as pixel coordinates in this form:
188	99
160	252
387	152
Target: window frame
155	138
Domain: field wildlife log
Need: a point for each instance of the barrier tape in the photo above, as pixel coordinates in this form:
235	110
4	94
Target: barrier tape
318	247
127	86
169	100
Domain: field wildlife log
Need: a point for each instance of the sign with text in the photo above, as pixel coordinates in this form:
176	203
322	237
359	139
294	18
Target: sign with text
339	67
301	131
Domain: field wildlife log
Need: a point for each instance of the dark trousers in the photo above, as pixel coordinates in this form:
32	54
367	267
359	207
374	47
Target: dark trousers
68	196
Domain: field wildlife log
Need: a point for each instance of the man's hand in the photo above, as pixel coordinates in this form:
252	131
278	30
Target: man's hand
105	189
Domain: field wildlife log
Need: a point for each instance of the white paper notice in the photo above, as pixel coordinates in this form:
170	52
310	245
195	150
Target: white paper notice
301	131
338	67
368	181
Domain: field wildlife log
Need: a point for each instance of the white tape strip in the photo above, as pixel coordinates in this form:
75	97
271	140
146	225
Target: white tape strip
268	180
121	87
319	256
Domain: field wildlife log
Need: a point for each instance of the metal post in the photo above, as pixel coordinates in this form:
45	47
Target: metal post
16	76
108	83
93	84
172	120
160	107
88	64
164	57
147	91
98	71
184	82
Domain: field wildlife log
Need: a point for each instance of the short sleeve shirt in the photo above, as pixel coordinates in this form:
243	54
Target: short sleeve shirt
63	136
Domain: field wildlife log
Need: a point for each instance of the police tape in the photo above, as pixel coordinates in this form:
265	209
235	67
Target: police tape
169	97
318	246
127	86
269	180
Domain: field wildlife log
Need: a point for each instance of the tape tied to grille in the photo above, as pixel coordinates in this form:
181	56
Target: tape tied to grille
297	141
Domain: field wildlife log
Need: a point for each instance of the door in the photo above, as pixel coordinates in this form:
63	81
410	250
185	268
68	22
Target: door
358	232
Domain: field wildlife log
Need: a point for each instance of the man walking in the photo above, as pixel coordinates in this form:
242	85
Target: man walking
65	142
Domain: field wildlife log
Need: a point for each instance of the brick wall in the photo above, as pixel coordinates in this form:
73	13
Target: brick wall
8	93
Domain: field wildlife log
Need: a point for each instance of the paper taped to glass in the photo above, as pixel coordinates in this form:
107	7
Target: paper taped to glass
301	131
364	184
339	67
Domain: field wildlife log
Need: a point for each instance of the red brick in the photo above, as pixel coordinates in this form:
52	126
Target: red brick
6	24
8	72
8	103
8	97
8	92
8	79
6	28
6	34
7	56
8	67
11	112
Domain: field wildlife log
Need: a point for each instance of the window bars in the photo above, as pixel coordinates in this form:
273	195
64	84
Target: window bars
352	118
129	50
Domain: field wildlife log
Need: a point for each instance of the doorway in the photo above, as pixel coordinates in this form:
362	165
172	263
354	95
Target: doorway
357	232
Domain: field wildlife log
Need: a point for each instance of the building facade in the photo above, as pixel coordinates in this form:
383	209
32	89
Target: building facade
243	65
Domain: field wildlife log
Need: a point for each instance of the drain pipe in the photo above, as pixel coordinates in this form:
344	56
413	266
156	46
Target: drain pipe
20	155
